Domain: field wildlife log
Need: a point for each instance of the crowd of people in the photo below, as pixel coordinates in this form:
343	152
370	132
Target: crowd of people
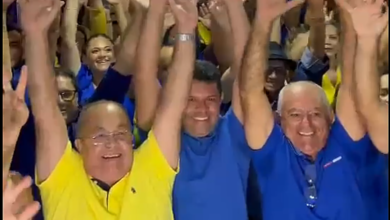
195	109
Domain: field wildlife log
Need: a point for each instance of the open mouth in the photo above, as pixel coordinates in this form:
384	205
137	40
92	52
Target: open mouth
111	156
306	133
201	118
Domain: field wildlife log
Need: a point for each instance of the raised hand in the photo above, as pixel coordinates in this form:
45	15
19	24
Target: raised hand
185	13
38	15
269	10
10	195
15	111
205	15
367	16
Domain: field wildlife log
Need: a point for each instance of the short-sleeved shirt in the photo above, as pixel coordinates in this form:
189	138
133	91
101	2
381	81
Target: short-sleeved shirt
143	194
87	89
212	183
350	184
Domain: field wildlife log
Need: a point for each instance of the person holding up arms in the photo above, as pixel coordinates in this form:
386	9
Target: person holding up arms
313	165
105	179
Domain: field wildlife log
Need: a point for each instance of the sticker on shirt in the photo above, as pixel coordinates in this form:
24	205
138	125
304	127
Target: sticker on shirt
335	160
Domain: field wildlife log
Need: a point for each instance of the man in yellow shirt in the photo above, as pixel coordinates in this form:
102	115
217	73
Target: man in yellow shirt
105	179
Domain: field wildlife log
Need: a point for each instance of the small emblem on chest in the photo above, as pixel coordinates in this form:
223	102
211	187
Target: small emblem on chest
335	160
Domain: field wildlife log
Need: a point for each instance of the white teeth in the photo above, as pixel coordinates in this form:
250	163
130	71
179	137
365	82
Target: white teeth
201	118
306	133
109	156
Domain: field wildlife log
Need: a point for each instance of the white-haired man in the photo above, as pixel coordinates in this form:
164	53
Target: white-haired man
313	166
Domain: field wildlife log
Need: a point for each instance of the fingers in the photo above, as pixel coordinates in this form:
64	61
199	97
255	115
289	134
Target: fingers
21	88
30	211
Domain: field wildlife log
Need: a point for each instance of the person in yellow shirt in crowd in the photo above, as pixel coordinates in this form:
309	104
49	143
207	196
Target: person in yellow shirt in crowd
107	179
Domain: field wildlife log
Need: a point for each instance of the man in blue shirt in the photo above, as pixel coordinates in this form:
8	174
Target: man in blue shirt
313	166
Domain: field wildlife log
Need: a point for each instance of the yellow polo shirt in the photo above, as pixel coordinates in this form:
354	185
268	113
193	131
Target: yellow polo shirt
143	194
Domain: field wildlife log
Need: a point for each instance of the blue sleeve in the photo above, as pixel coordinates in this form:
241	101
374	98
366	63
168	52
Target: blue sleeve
237	132
310	68
275	140
113	87
361	153
84	77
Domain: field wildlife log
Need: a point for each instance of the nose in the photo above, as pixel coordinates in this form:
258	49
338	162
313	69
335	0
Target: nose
272	75
201	106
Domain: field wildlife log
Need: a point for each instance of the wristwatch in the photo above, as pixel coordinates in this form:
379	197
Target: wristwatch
185	37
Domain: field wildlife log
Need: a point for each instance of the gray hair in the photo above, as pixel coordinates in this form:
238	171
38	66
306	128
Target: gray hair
291	86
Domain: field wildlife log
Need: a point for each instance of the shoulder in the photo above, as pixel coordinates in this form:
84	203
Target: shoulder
149	158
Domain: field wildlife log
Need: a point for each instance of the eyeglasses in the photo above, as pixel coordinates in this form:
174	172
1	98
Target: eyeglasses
104	139
311	191
68	95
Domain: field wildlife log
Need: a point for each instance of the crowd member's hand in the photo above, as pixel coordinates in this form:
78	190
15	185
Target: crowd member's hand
269	10
36	16
186	15
10	195
113	2
219	13
329	14
205	15
367	16
15	111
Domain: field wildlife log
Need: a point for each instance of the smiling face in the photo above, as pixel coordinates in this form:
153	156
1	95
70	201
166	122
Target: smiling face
105	141
331	40
202	111
99	53
67	98
276	75
305	117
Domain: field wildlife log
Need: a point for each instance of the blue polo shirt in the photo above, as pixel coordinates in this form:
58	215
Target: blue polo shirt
86	90
351	182
212	181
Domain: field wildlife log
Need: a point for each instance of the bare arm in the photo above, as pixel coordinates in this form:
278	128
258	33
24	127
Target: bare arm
345	106
276	31
374	112
167	123
70	55
258	116
240	32
126	56
316	19
147	88
54	34
120	13
50	129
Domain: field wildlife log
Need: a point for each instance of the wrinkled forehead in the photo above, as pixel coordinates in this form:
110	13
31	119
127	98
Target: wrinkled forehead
103	118
303	100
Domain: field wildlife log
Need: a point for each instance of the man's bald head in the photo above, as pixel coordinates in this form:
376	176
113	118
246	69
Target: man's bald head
302	88
100	113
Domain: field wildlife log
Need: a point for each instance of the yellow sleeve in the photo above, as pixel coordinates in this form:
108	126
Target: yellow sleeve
68	168
98	21
204	33
150	158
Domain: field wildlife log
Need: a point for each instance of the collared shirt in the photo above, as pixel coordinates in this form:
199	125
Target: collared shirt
212	183
143	194
351	181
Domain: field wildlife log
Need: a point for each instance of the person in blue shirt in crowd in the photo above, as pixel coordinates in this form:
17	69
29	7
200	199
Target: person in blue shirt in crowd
314	165
98	54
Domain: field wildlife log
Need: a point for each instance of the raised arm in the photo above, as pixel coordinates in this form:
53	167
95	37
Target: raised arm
15	115
345	105
316	19
167	123
70	55
147	88
240	32
369	22
258	116
50	129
